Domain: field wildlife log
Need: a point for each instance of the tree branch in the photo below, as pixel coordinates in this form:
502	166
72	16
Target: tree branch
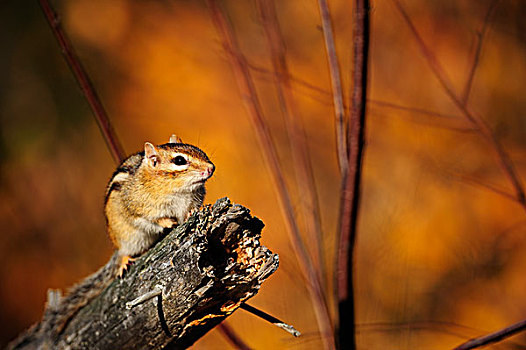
493	337
478	50
248	90
296	132
336	82
176	292
480	125
350	198
103	121
232	337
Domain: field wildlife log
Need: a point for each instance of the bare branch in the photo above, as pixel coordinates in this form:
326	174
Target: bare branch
296	132
232	336
476	57
437	120
493	337
327	94
410	109
248	90
350	199
109	134
293	78
337	91
269	318
476	182
480	124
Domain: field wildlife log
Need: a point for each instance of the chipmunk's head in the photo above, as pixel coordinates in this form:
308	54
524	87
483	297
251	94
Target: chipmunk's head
184	167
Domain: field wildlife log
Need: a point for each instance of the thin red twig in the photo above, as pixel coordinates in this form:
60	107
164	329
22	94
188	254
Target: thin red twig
440	120
450	328
305	84
297	80
494	189
493	337
478	50
114	145
411	109
232	336
271	319
433	123
478	123
352	180
336	81
248	90
295	130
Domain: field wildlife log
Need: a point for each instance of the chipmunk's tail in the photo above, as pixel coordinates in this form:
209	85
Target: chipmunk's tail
59	310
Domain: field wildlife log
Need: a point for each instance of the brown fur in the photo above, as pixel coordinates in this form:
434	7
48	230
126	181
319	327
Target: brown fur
150	190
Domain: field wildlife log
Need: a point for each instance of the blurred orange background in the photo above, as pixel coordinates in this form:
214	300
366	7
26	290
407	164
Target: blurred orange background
439	258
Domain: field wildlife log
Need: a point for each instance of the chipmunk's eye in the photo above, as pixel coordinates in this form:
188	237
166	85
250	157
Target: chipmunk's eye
179	160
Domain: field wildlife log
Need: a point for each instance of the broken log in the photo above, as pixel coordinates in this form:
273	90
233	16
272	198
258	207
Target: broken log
184	286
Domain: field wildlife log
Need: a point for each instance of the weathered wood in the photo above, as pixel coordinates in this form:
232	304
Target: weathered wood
180	289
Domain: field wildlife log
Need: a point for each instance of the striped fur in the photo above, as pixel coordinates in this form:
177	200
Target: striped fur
149	187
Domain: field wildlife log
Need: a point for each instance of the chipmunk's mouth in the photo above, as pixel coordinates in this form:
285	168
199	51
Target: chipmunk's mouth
203	175
200	180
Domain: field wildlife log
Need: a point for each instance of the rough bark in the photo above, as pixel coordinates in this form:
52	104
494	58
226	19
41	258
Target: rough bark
192	280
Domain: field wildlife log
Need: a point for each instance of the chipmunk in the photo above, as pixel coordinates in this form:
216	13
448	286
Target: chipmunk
153	190
150	191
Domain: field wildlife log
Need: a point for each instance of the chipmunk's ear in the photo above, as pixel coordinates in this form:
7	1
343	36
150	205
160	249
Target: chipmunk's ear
175	139
150	154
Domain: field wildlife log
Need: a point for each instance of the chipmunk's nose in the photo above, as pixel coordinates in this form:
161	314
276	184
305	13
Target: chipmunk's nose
209	171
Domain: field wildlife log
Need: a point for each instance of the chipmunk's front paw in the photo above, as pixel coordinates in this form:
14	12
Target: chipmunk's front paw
126	261
167	222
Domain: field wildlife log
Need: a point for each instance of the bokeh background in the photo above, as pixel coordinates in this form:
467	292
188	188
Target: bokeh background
440	259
